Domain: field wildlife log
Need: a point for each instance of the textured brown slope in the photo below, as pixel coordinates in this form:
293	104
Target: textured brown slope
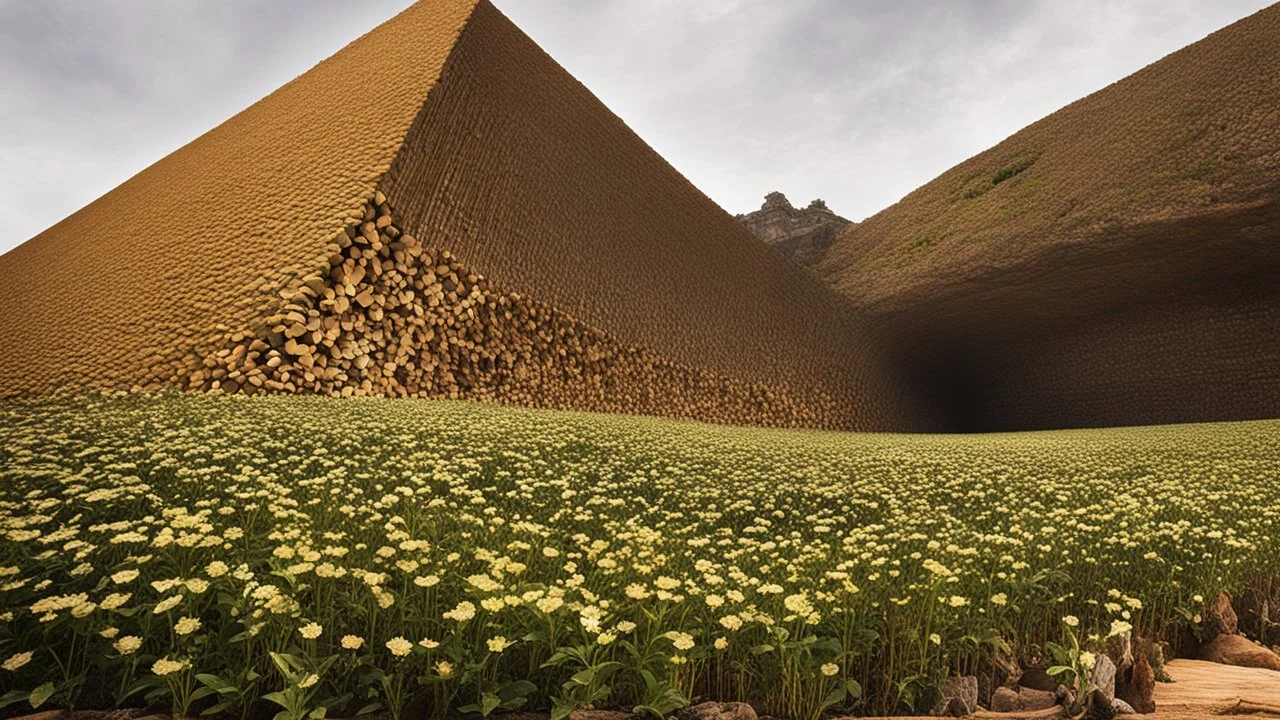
1123	269
259	258
198	244
515	167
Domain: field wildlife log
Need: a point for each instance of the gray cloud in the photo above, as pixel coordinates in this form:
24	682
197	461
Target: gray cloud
855	101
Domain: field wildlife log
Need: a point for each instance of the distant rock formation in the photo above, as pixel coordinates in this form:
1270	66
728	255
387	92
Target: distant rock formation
802	235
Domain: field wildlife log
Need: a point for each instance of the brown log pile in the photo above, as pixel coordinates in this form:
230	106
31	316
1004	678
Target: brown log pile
390	316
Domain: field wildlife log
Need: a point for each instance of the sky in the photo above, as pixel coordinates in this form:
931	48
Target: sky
857	102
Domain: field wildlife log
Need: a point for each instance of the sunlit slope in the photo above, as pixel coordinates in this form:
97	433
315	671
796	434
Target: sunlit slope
1113	263
497	235
292	521
126	290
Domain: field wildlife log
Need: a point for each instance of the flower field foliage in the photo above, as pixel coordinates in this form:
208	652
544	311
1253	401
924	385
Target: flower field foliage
241	557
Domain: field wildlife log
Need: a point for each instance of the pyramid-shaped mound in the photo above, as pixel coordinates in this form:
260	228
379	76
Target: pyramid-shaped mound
438	210
1117	262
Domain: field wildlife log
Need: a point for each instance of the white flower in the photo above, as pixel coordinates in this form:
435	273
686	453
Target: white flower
681	641
1071	620
1088	660
1119	627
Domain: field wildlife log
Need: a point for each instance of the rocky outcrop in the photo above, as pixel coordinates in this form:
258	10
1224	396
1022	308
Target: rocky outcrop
1241	651
801	235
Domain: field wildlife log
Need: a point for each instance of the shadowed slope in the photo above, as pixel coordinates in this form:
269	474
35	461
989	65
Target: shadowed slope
517	168
1113	263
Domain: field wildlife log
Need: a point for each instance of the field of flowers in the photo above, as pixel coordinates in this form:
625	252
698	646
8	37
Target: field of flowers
241	557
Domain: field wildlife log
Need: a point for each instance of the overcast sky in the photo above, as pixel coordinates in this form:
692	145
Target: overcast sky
854	101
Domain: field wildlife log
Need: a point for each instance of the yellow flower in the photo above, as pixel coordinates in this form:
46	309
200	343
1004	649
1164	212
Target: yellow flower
127	644
186	625
999	599
352	642
399	646
830	669
16	661
463	612
124	576
498	644
605	638
167	604
310	631
721	643
165	666
444	668
1071	620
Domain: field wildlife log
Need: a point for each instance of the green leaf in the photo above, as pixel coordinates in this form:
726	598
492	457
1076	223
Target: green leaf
488	703
219	708
761	649
144	683
277	698
216	683
318	713
12	697
1057	670
203	692
371	707
583	677
560	708
853	688
40	694
834	697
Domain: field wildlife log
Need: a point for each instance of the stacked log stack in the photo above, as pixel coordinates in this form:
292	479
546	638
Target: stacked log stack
392	317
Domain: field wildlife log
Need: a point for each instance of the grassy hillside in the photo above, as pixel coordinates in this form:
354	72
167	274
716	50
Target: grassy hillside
430	554
1113	263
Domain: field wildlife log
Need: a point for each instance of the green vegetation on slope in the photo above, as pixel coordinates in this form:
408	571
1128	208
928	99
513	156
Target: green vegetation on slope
235	554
